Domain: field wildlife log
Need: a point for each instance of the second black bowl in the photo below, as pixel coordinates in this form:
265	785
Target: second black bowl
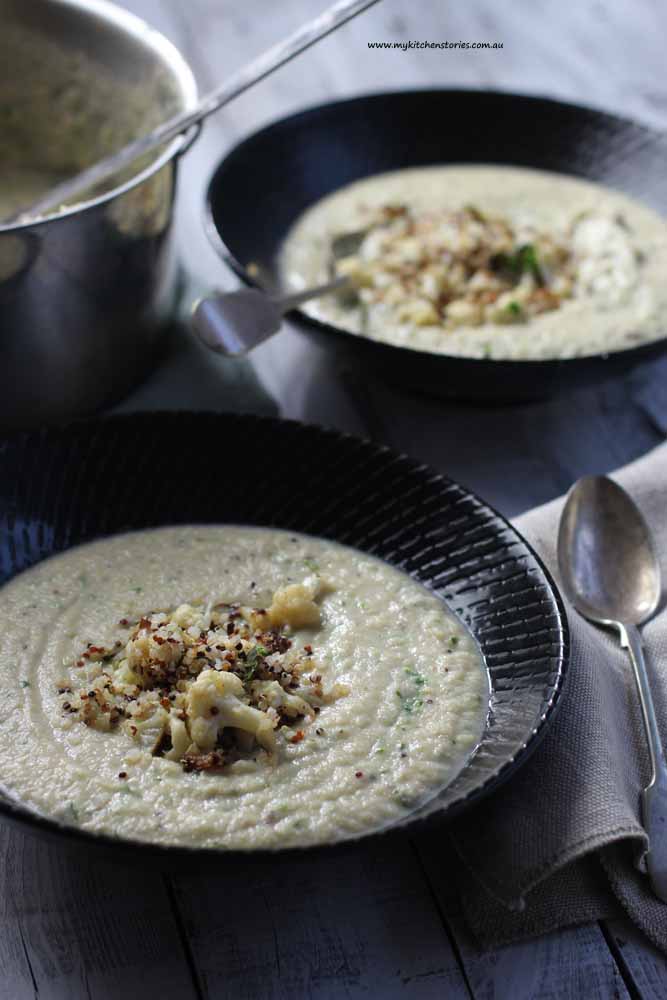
262	186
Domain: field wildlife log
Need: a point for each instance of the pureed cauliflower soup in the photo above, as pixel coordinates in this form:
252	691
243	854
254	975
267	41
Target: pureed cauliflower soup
485	262
235	687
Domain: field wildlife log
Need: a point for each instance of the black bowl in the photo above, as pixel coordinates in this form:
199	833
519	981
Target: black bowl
62	487
264	184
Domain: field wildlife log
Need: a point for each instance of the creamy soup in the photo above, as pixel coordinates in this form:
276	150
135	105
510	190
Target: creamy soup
233	687
485	262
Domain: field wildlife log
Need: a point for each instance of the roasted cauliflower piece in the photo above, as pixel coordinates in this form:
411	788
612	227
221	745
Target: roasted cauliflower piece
215	701
295	605
149	732
270	694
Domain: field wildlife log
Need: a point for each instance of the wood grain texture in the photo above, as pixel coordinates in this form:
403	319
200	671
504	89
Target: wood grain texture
74	930
356	924
569	965
565	965
642	962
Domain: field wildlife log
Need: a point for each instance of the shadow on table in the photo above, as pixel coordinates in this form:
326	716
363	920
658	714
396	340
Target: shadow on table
188	376
515	456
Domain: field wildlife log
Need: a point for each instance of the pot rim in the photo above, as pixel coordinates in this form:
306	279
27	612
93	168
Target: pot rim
170	56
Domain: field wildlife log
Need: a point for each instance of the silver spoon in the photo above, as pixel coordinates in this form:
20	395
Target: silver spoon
232	323
610	573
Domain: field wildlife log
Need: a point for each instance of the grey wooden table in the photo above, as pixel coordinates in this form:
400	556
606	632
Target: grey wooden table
383	923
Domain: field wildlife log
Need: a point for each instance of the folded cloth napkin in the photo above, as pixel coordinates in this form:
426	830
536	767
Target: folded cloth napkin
562	841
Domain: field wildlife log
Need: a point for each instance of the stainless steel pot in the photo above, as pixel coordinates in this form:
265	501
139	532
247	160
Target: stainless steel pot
82	292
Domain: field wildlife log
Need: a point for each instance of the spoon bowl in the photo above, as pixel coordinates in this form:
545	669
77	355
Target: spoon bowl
606	555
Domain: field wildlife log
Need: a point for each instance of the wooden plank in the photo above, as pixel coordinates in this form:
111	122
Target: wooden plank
638	958
16	976
563	965
356	924
73	928
566	965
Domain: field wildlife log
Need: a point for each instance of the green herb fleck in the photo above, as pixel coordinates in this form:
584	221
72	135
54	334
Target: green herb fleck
409	704
126	790
25	684
252	661
311	565
137	590
522	261
417	678
454	641
529	262
71	812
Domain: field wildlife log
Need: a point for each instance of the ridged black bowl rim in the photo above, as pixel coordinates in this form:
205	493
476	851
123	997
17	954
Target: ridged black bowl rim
169	854
633	354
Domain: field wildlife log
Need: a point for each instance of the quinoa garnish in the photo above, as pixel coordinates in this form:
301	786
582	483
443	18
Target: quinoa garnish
457	268
208	685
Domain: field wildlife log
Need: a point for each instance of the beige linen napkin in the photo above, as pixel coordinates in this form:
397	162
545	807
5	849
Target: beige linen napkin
562	841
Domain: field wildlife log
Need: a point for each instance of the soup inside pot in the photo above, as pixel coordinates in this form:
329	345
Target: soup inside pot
74	88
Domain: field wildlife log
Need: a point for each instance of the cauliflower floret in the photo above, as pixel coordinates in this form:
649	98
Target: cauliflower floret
186	616
125	679
150	731
464	312
354	268
421	312
295	605
214	702
180	737
270	694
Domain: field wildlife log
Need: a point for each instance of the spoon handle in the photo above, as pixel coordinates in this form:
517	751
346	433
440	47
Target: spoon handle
654	796
288	302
